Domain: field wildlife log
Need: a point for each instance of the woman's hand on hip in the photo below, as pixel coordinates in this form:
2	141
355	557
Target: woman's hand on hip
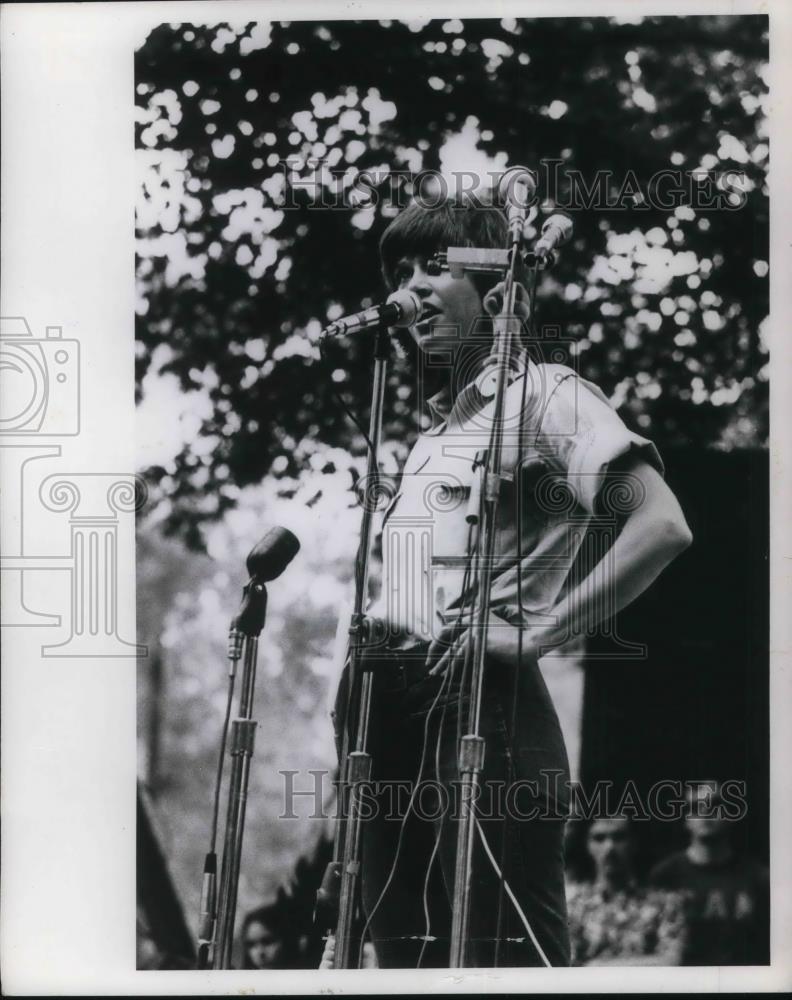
455	640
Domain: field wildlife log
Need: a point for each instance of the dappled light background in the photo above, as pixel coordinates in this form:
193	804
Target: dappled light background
254	229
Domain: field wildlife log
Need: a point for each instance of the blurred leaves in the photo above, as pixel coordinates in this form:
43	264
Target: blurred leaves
239	264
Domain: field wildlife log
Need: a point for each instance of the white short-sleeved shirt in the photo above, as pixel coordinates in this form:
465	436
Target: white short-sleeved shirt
570	436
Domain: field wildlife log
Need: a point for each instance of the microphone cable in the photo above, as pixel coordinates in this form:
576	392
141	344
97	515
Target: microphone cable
403	825
339	398
208	915
452	669
512	897
221	762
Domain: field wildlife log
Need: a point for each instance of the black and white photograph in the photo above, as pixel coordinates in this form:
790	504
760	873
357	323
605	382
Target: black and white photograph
412	552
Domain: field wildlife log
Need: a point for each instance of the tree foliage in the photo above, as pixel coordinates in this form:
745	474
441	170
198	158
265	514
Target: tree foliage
239	267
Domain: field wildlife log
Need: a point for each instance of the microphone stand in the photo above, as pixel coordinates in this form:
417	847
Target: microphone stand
243	643
472	744
337	897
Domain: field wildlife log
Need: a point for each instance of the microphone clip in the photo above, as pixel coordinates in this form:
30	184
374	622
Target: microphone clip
462	260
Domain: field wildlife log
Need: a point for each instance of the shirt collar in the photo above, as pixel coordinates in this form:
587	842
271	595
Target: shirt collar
441	405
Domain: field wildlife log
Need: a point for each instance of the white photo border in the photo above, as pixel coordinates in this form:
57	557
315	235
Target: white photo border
68	734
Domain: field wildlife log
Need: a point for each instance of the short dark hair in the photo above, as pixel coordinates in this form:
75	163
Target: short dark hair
423	230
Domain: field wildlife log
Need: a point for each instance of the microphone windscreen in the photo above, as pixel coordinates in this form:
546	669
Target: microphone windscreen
517	187
270	557
409	305
563	224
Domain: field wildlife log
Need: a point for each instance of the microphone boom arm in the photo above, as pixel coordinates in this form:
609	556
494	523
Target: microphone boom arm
459	260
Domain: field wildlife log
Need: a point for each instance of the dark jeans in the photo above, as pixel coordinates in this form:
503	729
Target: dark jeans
521	810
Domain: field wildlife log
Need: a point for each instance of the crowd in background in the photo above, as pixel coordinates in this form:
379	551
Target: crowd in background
707	904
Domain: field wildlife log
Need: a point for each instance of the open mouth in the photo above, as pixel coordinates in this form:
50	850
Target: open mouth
428	315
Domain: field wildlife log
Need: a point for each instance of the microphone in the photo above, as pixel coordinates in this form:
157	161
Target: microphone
267	560
270	557
402	308
556	231
516	190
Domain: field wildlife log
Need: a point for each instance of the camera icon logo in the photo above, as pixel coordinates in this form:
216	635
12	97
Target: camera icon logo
40	381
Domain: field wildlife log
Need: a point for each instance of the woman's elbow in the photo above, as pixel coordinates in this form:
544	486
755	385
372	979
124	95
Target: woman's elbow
676	534
661	512
670	525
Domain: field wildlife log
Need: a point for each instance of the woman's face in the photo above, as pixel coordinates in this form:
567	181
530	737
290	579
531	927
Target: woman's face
610	845
451	305
262	948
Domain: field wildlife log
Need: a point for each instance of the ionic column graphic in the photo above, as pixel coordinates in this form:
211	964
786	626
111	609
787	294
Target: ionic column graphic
409	596
94	502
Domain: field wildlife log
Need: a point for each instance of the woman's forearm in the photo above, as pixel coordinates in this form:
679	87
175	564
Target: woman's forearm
638	556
